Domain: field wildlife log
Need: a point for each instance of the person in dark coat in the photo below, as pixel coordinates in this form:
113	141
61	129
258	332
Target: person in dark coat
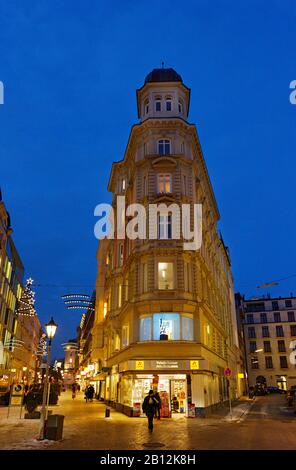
90	392
149	408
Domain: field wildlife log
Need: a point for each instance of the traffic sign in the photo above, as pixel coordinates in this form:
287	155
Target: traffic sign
227	372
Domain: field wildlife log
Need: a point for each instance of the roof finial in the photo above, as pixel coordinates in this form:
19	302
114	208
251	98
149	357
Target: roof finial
162	64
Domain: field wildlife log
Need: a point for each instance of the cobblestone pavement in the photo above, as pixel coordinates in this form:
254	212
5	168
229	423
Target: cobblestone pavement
264	424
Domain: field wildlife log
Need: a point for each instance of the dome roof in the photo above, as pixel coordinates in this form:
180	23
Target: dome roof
163	75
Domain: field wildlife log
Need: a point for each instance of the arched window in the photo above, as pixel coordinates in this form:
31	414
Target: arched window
180	106
168	103
146	106
158	103
164	147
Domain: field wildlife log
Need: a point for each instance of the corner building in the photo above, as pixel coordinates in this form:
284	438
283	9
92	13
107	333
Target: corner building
165	316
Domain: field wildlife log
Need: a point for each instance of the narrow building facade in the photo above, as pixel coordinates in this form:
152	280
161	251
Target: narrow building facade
165	316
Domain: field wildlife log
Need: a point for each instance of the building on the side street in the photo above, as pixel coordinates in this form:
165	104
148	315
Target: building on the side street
241	341
20	328
11	278
70	362
165	316
86	369
269	326
25	358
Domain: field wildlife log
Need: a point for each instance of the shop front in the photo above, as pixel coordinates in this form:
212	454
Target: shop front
170	378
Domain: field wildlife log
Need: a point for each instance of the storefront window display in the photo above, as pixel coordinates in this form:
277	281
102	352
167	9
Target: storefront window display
114	387
171	388
166	326
127	390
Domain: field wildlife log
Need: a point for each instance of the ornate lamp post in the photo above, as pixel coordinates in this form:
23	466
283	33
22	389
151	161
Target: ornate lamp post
51	328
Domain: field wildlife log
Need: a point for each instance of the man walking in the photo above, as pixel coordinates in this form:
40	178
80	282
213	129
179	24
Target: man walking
149	408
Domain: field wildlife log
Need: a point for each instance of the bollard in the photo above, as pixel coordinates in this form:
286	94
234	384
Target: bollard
107	413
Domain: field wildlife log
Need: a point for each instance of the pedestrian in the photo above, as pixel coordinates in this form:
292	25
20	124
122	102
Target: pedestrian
74	391
91	392
149	408
158	406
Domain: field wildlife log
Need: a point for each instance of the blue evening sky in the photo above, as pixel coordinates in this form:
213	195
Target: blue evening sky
70	71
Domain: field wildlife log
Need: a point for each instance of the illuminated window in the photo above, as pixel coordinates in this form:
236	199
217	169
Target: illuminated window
187	328
123	185
146	329
119	295
164	147
165	275
105	308
166	326
164	227
164	183
125	336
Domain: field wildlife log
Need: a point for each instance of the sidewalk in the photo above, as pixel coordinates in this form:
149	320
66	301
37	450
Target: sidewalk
85	427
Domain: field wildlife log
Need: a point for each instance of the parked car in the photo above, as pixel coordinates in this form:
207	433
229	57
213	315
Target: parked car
260	390
272	389
290	396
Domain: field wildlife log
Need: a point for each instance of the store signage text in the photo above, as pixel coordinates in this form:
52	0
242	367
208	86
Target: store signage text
167	365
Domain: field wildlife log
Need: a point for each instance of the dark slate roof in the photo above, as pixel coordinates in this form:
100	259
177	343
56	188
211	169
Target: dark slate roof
163	75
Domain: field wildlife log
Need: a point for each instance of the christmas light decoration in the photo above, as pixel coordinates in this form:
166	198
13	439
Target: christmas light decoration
78	302
27	300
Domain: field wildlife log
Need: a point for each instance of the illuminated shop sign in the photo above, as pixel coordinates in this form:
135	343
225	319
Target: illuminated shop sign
161	364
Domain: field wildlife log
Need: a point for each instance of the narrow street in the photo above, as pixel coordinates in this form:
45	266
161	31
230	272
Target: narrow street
269	424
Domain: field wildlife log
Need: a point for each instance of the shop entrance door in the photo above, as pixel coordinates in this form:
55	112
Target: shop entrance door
178	397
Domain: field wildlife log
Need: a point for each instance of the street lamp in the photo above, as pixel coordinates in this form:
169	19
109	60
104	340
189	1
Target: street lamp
51	328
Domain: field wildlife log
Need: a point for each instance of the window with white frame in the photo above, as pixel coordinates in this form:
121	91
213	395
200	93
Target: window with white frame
146	106
158	104
168	104
165	276
164	183
164	226
125	336
164	147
